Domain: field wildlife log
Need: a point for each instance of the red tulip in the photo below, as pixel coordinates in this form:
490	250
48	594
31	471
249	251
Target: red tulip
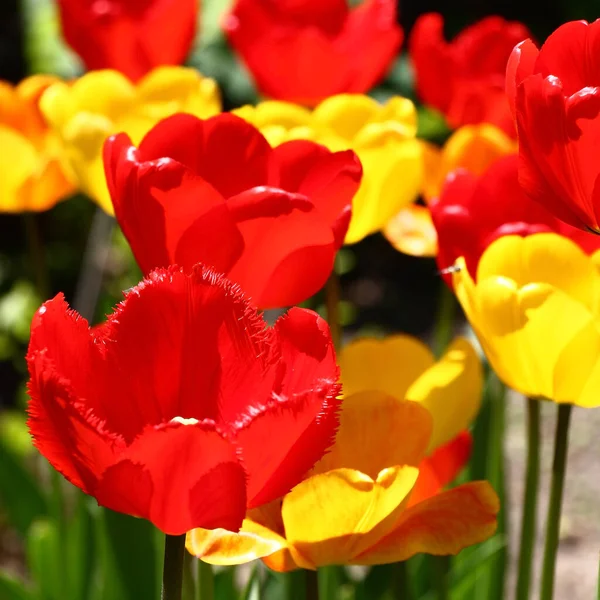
307	50
464	79
215	192
472	212
555	97
131	36
183	408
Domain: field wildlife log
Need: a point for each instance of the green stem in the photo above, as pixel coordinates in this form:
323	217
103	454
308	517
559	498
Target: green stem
205	585
333	294
312	586
37	255
561	442
444	322
173	567
401	582
530	500
294	584
441	568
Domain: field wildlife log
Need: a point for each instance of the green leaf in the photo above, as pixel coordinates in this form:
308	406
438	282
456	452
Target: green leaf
46	559
80	548
15	434
21	496
12	588
128	556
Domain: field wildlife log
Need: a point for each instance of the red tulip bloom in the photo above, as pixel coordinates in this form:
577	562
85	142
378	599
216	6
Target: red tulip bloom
183	408
464	79
215	192
555	97
472	212
307	50
131	36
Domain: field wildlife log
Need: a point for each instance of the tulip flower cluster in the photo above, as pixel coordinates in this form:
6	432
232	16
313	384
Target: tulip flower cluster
244	437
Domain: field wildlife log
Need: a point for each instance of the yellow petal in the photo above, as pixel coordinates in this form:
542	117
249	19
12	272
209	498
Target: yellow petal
441	525
222	547
167	90
542	258
377	431
433	171
412	232
532	334
451	391
273	112
390	365
332	517
345	114
392	179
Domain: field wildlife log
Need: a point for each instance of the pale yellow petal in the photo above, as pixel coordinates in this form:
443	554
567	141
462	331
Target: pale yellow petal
332	517
389	365
444	524
378	431
275	113
451	391
412	232
222	547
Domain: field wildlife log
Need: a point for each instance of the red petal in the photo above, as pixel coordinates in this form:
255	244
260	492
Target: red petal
67	434
520	65
131	37
226	151
179	477
187	346
283	440
329	179
571	54
168	215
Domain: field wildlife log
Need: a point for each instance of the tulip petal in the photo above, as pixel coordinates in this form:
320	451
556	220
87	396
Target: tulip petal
377	431
412	232
202	484
441	467
331	518
298	423
451	391
442	525
390	365
222	547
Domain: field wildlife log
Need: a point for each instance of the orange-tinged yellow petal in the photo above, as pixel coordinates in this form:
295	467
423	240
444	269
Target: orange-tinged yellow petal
442	525
390	365
441	467
471	147
433	171
15	173
412	232
451	391
332	517
222	547
378	431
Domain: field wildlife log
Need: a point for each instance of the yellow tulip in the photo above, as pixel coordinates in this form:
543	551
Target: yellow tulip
31	176
84	113
535	307
471	147
362	503
383	136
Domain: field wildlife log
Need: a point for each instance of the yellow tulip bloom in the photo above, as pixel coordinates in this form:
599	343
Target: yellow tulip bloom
535	307
84	113
362	503
471	147
383	136
31	176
